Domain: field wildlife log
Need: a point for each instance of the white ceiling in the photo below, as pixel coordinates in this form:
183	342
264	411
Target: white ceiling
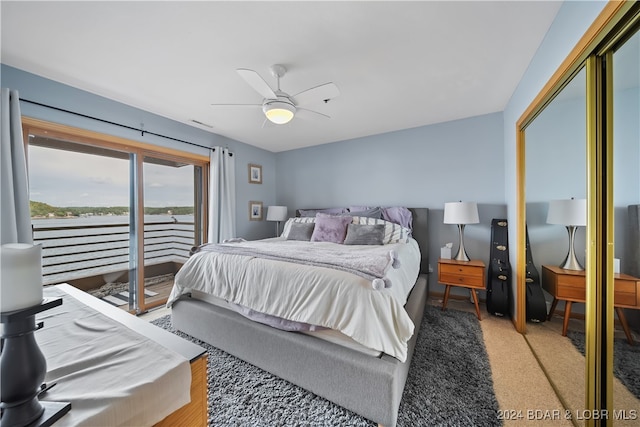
397	64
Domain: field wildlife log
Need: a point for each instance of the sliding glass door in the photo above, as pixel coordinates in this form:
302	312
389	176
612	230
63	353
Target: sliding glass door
115	218
172	201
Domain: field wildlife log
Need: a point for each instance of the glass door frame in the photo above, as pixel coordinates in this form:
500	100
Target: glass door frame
137	151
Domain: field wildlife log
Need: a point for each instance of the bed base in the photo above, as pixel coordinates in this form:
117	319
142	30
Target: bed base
369	386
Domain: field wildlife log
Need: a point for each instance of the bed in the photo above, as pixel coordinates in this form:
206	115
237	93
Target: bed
344	368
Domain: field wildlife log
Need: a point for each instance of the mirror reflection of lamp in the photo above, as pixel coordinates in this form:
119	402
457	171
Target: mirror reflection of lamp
461	213
572	213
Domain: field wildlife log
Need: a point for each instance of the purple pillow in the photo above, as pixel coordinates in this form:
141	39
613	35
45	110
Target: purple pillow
330	228
398	215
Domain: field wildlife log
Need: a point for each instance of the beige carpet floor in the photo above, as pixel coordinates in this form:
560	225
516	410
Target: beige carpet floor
523	391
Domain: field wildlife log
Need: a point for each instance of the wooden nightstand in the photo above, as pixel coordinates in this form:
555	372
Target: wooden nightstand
468	274
570	286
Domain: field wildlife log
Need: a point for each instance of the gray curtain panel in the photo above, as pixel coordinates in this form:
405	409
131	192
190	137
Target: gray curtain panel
222	195
14	184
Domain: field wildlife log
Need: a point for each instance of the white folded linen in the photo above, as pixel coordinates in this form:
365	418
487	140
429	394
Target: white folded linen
112	375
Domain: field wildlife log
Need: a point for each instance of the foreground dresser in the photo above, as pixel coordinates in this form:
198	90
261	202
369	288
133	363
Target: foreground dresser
117	369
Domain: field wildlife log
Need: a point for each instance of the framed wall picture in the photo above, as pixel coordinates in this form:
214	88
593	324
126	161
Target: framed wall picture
255	174
255	211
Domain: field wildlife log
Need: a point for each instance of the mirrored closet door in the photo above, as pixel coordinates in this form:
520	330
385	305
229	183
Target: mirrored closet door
625	106
582	136
556	178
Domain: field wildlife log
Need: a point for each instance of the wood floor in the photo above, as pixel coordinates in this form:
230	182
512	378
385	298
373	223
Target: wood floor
162	290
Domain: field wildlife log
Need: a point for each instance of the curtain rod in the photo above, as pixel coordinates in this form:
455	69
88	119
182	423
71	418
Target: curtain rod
142	131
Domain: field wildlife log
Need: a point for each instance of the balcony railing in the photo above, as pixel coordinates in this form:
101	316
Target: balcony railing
84	250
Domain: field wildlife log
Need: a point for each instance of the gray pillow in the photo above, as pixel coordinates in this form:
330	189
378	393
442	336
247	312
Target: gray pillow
313	212
301	231
362	234
368	213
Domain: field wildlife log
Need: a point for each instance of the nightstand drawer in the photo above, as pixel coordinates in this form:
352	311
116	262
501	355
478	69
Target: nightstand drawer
625	286
621	298
571	293
462	270
457	278
625	292
571	281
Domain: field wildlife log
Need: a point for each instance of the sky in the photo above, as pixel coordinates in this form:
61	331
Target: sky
67	179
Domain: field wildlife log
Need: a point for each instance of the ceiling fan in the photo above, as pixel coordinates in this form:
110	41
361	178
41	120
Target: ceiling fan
280	107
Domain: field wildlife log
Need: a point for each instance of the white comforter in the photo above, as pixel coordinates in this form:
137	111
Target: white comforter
315	295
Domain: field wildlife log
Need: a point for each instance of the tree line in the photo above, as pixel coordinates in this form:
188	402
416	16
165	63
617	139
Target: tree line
39	209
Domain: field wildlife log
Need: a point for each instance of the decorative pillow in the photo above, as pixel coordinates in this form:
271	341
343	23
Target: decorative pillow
291	221
330	228
369	213
358	208
398	215
301	231
393	233
313	212
361	234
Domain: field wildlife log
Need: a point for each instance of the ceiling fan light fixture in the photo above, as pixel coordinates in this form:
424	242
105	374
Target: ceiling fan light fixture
279	112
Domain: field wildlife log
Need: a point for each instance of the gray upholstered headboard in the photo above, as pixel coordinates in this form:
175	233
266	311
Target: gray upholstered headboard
633	241
420	233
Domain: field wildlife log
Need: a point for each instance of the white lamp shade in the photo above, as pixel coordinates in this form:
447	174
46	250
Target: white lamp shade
461	213
568	212
277	213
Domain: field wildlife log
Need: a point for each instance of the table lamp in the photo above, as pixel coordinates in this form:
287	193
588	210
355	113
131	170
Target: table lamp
461	213
571	213
277	214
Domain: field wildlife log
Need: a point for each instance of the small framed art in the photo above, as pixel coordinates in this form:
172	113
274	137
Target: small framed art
255	174
255	211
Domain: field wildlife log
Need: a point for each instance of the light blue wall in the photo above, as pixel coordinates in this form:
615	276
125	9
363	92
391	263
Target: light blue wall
419	167
48	92
570	24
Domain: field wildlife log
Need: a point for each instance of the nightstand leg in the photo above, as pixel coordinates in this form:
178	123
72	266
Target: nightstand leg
475	301
446	297
625	325
567	314
553	308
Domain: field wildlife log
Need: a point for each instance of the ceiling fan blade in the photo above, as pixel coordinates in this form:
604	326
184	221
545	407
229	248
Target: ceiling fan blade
316	94
257	83
304	113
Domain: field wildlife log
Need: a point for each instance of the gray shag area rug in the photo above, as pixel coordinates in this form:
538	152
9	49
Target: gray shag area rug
449	383
626	360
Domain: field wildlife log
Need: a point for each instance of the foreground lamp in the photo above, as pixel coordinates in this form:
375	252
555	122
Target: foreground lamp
571	213
279	111
277	214
461	213
22	365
